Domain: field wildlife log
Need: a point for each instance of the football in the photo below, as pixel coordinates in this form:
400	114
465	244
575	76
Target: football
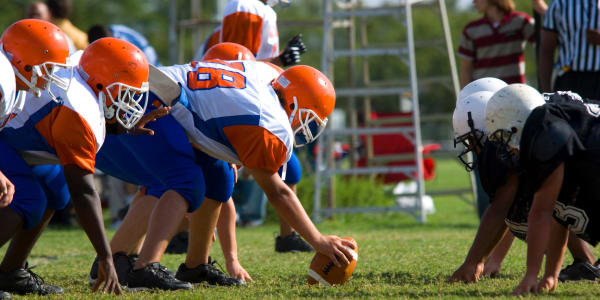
323	270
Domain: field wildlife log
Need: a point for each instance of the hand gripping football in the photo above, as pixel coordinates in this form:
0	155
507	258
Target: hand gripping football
324	271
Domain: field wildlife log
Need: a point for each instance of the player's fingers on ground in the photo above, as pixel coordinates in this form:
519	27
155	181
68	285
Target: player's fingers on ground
97	284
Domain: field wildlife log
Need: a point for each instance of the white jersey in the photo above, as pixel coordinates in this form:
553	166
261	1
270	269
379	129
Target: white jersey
253	24
11	100
68	132
231	112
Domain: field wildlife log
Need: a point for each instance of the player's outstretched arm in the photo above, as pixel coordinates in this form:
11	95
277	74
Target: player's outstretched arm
7	190
288	206
554	257
226	230
89	212
491	229
540	222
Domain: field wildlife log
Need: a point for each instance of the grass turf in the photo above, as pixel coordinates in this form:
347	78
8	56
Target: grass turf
398	258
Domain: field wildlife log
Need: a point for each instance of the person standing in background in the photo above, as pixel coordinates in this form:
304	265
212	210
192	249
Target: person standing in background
60	10
572	28
39	10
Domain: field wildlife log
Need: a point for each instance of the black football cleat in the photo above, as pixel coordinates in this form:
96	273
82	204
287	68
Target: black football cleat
178	244
206	273
292	243
579	270
155	276
123	264
23	281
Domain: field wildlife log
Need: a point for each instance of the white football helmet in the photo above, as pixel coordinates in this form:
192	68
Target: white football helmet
468	121
507	111
488	84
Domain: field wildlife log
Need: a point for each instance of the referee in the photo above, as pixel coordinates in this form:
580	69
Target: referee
572	27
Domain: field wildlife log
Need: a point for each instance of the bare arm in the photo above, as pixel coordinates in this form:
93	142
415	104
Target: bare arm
540	223
539	6
548	45
226	230
288	206
554	257
466	71
491	229
87	206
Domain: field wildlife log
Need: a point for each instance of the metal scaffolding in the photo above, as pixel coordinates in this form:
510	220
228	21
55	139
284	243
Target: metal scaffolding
350	15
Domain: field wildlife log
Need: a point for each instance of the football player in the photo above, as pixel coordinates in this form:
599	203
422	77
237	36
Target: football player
31	51
172	169
554	144
510	207
67	126
253	24
232	91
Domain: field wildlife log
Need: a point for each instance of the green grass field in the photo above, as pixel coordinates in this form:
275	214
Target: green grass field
398	258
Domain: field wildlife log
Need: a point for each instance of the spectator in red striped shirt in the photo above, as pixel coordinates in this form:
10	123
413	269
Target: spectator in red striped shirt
493	45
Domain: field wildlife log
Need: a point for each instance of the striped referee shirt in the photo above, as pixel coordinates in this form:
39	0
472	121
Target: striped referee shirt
497	49
570	19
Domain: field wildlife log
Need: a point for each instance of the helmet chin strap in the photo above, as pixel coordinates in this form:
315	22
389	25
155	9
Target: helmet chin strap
294	111
36	72
109	112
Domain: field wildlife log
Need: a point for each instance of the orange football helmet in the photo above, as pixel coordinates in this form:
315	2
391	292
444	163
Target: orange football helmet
308	98
37	49
117	71
228	51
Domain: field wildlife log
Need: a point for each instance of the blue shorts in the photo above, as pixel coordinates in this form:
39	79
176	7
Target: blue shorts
29	200
218	179
293	174
166	160
52	180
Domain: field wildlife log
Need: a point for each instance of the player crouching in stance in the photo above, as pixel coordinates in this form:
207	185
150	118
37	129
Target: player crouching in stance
554	144
230	112
108	91
30	52
511	192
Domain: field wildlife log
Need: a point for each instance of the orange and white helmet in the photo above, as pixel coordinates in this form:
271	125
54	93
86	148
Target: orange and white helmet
117	71
308	98
37	50
228	51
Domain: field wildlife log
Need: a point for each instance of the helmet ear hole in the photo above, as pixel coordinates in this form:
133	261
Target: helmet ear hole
28	68
292	106
99	86
514	129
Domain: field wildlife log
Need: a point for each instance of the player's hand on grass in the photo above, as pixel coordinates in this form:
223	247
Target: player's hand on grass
527	285
107	277
139	128
235	270
492	268
7	190
467	273
336	248
547	283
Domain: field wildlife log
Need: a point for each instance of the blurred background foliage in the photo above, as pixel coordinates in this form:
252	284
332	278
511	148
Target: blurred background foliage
151	18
